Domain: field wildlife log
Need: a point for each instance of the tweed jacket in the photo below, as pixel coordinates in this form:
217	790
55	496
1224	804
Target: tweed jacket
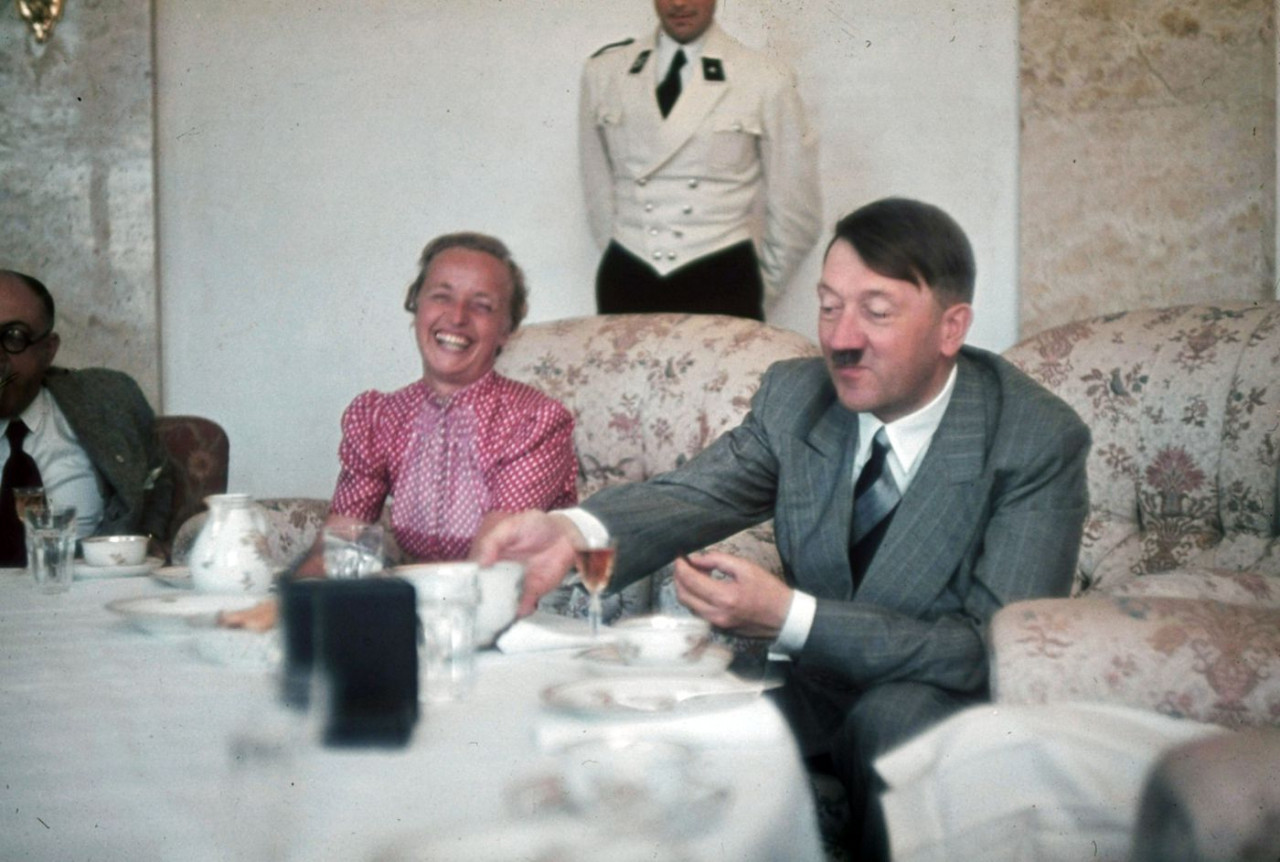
994	514
675	190
115	425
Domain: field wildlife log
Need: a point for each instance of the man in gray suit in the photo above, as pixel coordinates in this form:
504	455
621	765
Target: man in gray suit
916	484
88	434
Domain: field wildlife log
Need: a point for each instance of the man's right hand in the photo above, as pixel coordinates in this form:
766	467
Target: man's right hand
543	542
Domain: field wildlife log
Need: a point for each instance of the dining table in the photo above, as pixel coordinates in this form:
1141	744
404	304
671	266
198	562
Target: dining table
138	742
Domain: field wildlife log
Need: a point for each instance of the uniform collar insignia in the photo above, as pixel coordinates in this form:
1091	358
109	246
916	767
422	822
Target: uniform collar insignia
712	70
641	59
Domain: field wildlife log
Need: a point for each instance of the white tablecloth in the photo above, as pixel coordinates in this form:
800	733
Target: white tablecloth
115	744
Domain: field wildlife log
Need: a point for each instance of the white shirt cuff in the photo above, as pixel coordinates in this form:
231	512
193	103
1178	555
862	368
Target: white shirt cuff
588	525
795	628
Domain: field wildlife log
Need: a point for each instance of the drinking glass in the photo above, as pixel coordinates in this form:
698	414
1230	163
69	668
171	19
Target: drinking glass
595	567
352	551
28	497
448	595
51	546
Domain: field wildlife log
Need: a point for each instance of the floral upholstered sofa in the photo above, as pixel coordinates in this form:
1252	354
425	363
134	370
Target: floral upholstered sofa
1176	604
647	393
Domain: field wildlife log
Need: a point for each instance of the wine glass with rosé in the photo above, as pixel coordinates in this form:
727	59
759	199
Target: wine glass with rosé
595	567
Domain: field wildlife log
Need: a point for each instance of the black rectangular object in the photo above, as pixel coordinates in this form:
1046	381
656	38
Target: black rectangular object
364	643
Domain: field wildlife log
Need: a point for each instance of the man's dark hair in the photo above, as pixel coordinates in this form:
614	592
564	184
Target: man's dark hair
912	241
37	287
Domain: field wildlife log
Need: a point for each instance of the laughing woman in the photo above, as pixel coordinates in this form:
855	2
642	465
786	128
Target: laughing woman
463	444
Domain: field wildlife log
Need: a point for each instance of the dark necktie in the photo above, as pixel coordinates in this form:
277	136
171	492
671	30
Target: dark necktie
669	89
19	471
875	496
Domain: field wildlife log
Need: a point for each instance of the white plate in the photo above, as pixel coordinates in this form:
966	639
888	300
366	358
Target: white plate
606	660
640	696
174	576
238	648
86	572
178	613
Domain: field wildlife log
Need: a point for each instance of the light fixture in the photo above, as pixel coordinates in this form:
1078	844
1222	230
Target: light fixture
41	16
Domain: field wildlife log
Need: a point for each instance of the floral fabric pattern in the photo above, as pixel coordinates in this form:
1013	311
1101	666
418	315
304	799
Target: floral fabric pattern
1179	572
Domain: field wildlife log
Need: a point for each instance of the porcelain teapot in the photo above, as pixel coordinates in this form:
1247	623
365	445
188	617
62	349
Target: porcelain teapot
230	552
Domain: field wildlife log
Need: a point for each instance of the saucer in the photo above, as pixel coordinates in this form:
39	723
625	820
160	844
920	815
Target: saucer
606	660
86	572
174	576
178	613
648	696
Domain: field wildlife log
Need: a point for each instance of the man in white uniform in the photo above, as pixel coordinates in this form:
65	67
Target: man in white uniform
682	131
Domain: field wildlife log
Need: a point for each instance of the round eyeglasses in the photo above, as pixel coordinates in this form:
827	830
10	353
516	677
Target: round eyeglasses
16	338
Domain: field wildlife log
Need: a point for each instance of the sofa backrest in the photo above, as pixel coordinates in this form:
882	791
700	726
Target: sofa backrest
648	391
1184	406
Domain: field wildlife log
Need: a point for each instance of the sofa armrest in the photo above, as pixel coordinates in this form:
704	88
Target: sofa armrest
1191	658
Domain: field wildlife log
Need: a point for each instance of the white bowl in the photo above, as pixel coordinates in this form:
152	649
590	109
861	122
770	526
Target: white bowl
114	550
659	640
500	587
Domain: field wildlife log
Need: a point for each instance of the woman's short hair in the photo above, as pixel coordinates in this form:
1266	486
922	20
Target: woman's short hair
489	245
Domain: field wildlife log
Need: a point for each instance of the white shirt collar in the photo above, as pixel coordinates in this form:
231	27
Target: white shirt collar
909	436
666	49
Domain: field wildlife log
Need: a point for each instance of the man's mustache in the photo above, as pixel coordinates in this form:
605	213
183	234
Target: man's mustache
846	358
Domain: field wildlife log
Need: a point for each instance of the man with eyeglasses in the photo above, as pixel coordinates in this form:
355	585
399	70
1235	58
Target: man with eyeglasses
86	436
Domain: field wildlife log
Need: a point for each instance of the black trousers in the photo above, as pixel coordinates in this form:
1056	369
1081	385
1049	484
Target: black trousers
726	282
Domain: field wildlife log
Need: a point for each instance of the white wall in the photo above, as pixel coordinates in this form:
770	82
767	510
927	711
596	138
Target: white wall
307	151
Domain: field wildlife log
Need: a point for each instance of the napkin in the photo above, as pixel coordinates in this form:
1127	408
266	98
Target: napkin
543	630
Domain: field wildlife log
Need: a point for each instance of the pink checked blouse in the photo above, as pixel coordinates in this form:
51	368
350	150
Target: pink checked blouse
496	445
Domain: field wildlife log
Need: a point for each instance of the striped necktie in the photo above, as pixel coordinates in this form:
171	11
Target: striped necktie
875	496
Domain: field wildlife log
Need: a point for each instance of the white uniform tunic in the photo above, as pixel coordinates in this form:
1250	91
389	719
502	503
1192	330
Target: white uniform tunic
672	191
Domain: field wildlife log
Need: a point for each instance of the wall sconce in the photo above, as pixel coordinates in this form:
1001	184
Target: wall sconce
41	16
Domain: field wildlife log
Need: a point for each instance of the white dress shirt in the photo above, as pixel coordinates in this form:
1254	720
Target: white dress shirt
68	475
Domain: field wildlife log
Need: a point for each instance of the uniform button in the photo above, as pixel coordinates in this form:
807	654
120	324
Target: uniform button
642	181
693	184
648	208
657	255
737	127
686	209
679	234
671	255
653	231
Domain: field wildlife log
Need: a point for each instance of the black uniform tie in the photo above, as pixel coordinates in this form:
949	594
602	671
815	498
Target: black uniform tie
669	89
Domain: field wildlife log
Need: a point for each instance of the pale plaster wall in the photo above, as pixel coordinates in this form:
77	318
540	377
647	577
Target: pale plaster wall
307	151
76	179
1148	155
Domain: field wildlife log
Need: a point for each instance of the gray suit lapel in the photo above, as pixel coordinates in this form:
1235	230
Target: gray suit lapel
936	521
819	518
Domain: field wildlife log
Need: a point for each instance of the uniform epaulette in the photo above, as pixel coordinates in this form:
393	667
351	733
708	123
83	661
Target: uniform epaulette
612	45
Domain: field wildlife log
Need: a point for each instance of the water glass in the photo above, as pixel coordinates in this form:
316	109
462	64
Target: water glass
448	595
51	546
352	551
